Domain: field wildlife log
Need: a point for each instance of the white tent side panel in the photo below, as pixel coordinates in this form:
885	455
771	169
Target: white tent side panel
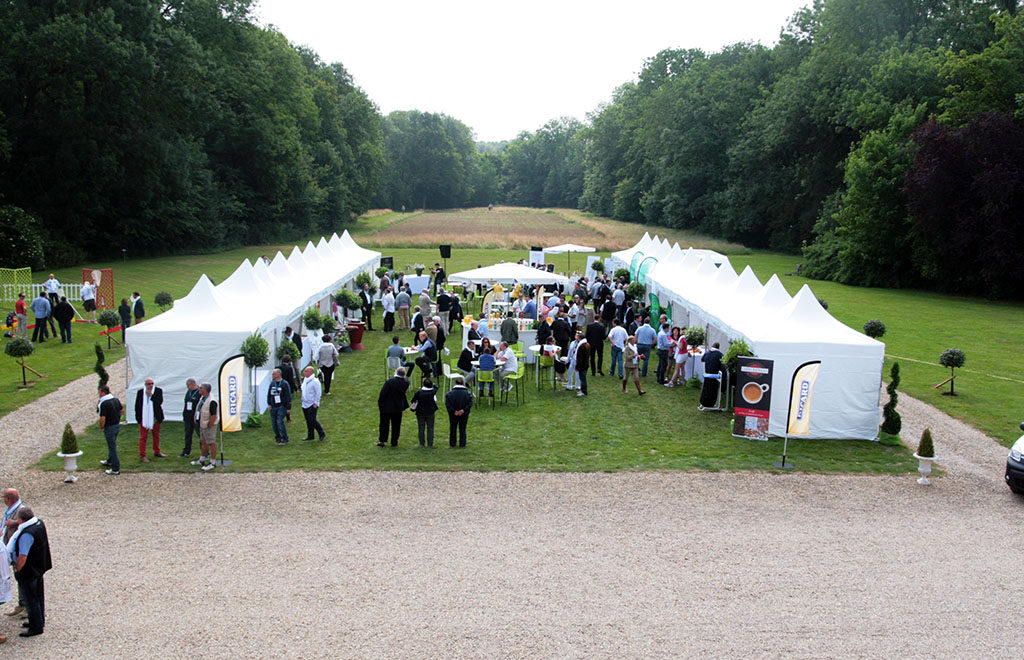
172	356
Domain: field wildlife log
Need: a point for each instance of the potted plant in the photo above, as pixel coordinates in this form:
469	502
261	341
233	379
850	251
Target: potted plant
100	371
255	352
695	335
597	266
622	275
380	271
20	348
953	358
311	319
418	268
70	452
635	291
925	455
350	301
328	324
737	349
109	319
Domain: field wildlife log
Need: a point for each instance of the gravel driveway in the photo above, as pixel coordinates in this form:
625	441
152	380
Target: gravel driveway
523	565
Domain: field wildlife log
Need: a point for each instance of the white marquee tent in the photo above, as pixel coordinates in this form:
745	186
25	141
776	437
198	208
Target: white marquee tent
507	273
704	289
209	324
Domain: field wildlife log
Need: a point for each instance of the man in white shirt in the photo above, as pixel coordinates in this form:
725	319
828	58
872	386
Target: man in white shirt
619	297
617	336
88	295
311	404
52	288
510	367
387	303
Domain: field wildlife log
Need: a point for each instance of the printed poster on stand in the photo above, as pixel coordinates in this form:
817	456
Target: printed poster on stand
753	398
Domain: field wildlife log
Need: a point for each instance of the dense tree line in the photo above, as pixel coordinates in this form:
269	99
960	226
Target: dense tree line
173	125
866	136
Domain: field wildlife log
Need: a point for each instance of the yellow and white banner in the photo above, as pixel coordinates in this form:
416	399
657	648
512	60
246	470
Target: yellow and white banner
800	397
232	384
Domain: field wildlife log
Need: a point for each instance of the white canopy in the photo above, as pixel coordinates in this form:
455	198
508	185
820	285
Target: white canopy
507	274
208	325
569	247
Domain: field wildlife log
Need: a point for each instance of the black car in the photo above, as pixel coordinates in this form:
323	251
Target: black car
1015	466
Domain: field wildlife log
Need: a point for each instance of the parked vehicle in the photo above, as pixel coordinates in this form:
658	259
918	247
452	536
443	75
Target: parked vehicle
1015	466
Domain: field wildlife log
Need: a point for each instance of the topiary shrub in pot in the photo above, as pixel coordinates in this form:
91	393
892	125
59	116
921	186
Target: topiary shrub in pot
311	319
288	347
925	455
328	324
636	291
621	274
953	358
695	335
70	452
597	266
163	300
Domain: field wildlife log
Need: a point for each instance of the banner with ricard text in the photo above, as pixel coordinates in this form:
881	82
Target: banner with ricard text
801	394
231	382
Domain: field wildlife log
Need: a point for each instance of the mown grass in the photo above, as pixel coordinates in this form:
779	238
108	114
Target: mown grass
553	431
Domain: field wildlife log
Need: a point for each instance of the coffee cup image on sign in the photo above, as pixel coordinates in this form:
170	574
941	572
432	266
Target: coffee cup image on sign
753	392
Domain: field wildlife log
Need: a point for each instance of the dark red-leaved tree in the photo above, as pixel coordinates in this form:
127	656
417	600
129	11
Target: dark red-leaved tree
966	192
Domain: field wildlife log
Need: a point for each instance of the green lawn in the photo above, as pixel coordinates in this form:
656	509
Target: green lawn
552	431
920	324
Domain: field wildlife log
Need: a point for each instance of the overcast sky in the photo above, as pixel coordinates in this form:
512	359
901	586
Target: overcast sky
506	67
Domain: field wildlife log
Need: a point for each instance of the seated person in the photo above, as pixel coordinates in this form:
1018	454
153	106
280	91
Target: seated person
396	350
428	354
511	365
487	364
484	347
465	363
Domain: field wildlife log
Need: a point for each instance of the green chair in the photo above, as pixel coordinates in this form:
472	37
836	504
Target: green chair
545	362
519	350
515	380
484	377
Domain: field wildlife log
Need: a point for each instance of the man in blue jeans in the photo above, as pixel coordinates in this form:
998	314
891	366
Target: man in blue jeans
617	337
279	398
645	339
110	424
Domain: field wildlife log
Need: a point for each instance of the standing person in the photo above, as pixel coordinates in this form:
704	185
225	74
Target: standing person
387	303
573	374
279	398
32	551
327	360
311	404
52	288
294	337
509	329
188	414
646	337
678	358
403	301
712	365
88	295
21	313
455	315
149	413
110	423
424	404
138	309
582	364
41	309
12	502
64	313
425	302
617	337
631	356
439	276
664	340
366	304
530	308
595	334
444	306
125	312
206	419
391	403
458	402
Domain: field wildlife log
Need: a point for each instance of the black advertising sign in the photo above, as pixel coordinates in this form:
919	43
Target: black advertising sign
753	398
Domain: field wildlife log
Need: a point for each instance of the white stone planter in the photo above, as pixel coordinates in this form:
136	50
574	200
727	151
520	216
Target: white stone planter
70	465
924	466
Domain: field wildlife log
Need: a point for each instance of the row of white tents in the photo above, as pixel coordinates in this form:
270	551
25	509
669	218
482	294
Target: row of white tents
208	325
703	289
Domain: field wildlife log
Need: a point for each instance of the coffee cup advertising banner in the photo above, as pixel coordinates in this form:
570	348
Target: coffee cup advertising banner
753	398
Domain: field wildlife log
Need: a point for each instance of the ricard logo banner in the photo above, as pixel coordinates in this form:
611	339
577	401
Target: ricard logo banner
231	374
804	379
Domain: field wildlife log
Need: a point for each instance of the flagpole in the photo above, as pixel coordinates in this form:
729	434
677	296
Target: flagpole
785	446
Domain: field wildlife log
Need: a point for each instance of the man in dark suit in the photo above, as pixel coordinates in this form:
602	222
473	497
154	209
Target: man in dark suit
562	332
366	298
459	401
288	374
391	403
465	363
439	277
609	310
418	322
149	413
595	334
